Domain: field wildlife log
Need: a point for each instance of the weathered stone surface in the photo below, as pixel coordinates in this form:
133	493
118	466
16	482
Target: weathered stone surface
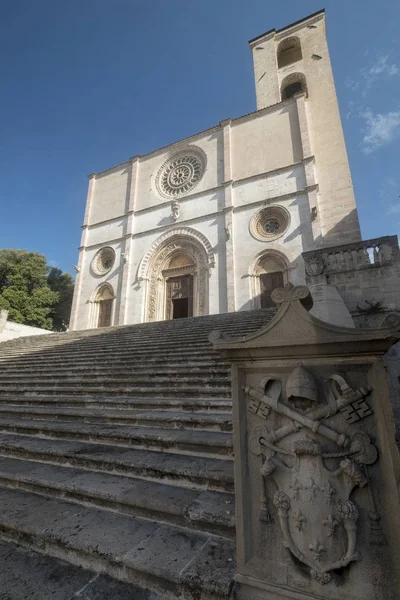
166	553
72	485
316	460
200	441
217	473
124	494
212	569
27	575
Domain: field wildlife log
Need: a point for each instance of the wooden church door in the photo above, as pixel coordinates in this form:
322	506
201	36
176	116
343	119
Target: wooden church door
179	297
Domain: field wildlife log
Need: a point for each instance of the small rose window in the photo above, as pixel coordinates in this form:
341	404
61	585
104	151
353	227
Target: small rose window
269	223
103	261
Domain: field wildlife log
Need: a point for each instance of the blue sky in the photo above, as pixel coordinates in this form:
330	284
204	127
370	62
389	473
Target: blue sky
86	84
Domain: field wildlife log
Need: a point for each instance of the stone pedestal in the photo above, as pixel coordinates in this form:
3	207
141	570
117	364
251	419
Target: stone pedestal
329	306
316	462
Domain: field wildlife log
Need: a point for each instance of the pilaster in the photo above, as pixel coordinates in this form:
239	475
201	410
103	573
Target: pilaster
128	246
228	217
79	266
309	168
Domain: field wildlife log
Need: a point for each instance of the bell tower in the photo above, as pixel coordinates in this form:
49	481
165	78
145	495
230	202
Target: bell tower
292	62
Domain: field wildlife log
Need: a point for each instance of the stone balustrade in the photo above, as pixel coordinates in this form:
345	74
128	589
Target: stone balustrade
365	254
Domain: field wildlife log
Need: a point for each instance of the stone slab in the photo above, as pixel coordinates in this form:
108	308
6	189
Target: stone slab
126	460
166	553
135	545
126	494
123	433
28	575
212	569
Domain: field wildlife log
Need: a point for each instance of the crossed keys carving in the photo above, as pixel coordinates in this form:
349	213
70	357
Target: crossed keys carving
312	418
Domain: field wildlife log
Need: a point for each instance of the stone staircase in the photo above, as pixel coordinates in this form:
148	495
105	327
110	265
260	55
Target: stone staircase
116	452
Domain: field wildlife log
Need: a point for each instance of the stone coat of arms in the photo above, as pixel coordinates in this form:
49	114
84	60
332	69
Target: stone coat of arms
317	517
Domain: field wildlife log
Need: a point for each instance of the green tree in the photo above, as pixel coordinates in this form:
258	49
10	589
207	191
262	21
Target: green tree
26	292
63	284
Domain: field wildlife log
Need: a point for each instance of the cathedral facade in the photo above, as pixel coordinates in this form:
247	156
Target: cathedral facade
214	223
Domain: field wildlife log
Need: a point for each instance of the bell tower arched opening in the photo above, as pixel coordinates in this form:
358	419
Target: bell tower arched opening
289	52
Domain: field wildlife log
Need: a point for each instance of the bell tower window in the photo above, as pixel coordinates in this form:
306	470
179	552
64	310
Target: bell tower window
289	52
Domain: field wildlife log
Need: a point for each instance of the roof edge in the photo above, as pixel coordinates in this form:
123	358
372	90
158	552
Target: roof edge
319	12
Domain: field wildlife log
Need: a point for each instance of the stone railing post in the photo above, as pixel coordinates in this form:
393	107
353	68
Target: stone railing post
316	460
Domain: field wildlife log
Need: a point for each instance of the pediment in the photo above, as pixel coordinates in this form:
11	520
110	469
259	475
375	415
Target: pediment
293	327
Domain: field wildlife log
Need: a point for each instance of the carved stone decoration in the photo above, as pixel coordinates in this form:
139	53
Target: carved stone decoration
269	223
181	172
304	439
318	520
196	247
175	210
314	265
103	261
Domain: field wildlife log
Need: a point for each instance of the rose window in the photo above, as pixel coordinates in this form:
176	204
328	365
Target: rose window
103	261
180	174
269	223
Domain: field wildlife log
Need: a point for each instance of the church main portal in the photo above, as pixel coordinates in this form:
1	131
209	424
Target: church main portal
179	297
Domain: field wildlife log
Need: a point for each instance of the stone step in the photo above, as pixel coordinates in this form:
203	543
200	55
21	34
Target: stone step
177	353
156	418
128	361
144	338
28	574
178	469
185	563
98	401
197	509
200	327
176	390
115	379
117	346
201	443
175	369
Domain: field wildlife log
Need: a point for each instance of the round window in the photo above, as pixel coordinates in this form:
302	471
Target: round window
269	223
181	173
103	261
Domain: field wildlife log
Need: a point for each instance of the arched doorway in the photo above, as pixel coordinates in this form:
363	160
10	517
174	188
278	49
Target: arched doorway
175	271
103	306
268	271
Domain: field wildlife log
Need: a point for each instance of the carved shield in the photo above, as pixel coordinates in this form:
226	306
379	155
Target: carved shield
317	518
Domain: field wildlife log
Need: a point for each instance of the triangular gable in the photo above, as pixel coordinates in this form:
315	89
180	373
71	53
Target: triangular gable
293	327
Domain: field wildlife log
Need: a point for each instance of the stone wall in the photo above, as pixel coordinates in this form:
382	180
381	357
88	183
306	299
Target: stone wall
366	275
10	330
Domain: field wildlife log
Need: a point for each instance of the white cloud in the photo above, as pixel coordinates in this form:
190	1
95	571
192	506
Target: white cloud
380	129
380	69
381	66
351	84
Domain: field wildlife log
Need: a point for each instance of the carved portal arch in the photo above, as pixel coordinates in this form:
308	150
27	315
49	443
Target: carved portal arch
267	263
155	268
